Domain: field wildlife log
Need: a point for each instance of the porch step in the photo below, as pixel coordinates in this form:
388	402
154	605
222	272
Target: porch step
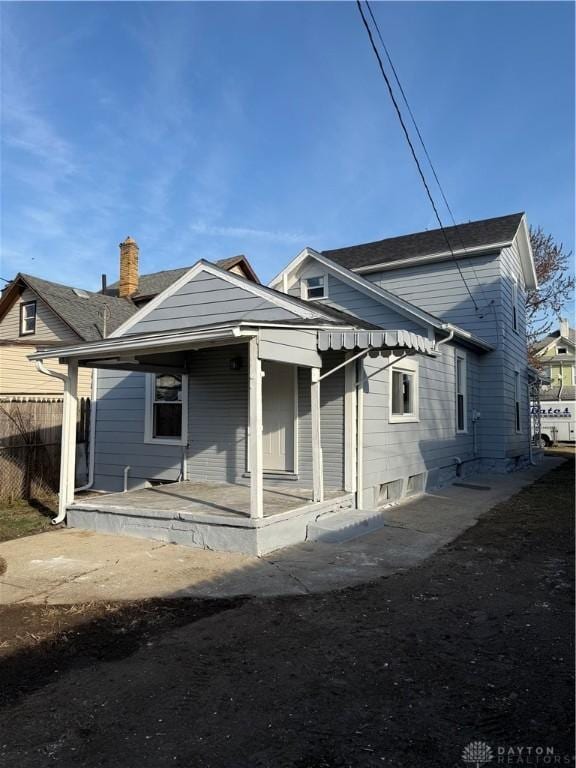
335	527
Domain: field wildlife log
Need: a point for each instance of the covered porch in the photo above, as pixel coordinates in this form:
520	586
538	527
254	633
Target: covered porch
251	512
209	515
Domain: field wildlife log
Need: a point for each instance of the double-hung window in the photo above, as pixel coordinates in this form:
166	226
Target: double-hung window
461	394
315	287
27	318
166	411
517	401
404	405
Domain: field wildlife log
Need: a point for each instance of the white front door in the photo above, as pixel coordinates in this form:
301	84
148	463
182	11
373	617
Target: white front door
278	398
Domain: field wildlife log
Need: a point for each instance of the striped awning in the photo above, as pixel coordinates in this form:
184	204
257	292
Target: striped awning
377	340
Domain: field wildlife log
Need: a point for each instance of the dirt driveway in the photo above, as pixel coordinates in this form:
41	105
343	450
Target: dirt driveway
474	644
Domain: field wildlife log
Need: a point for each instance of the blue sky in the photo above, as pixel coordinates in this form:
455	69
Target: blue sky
204	130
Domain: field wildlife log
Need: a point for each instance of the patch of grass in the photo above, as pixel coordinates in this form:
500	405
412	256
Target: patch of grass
24	518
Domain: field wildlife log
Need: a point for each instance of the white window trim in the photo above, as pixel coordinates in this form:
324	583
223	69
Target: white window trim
515	304
517	400
24	304
149	417
406	366
461	355
304	287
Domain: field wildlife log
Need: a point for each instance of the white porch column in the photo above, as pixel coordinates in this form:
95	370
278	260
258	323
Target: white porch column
317	468
256	489
350	423
68	449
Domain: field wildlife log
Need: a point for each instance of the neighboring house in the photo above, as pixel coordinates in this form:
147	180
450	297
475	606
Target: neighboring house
36	314
361	375
557	355
554	414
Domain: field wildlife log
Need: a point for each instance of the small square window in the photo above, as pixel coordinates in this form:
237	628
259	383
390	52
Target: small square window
315	287
404	393
562	351
27	318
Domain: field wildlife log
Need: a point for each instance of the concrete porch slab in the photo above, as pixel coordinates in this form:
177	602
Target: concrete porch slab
75	566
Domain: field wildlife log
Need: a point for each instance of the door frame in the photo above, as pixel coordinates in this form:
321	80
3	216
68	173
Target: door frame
295	427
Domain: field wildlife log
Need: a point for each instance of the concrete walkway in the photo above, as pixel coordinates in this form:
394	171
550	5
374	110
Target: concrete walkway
76	566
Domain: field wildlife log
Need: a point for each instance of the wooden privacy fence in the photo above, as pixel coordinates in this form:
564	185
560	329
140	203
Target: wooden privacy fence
30	440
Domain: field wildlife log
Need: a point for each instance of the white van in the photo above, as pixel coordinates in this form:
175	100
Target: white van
556	421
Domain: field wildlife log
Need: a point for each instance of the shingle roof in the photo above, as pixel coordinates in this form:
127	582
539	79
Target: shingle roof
564	393
471	235
84	314
554	335
156	282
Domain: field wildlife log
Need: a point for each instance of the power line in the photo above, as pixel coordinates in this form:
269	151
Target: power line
412	150
424	147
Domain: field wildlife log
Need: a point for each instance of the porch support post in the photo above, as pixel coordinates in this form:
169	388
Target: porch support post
317	469
350	422
256	487
68	449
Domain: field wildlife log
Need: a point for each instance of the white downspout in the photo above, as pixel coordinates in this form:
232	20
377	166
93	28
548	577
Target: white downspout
92	435
447	339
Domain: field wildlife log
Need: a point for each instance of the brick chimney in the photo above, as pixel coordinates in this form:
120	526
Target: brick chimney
564	327
128	267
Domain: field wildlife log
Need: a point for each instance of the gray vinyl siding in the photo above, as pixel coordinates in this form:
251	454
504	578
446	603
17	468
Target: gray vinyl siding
120	435
217	425
218	420
515	354
394	451
342	295
442	289
206	300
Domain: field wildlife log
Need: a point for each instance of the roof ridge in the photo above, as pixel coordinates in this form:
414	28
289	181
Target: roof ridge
436	230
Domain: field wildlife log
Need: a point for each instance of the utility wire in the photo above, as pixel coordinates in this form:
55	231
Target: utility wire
412	150
489	302
422	142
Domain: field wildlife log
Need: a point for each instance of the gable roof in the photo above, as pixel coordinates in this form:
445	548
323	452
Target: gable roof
81	310
155	282
298	307
473	235
543	344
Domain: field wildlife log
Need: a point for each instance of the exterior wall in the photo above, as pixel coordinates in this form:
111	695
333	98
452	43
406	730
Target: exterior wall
120	435
343	296
395	451
514	355
49	327
217	425
440	289
218	420
18	375
205	300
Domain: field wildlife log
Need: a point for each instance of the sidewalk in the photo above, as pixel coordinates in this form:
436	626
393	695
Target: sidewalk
75	566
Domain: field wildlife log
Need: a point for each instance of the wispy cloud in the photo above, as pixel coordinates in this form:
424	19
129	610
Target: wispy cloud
248	233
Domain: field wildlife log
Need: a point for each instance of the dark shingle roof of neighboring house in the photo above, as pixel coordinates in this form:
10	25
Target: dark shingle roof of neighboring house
81	310
552	336
156	282
472	235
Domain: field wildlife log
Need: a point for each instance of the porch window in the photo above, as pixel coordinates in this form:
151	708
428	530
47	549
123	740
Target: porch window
315	287
166	411
461	398
27	318
404	406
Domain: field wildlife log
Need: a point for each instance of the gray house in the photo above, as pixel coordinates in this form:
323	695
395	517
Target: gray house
231	415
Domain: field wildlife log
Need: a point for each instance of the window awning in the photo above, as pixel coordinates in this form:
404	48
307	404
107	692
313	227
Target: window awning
377	340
